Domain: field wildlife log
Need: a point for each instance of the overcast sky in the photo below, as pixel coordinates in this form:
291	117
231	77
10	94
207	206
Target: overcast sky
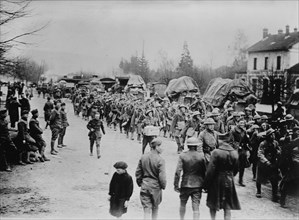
95	35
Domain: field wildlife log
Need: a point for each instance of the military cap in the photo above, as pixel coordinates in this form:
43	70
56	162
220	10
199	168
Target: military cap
182	106
236	114
269	132
3	111
265	117
230	109
215	112
256	117
148	111
248	109
241	113
192	141
195	113
156	142
255	126
34	111
24	112
289	117
120	165
209	121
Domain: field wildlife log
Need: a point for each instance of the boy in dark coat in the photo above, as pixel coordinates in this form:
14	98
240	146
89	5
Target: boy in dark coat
120	190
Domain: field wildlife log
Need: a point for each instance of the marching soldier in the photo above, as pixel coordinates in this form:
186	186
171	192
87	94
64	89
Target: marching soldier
95	135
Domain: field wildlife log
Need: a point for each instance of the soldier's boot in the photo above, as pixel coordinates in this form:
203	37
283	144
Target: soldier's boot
196	215
42	153
98	152
132	135
147	213
91	149
53	151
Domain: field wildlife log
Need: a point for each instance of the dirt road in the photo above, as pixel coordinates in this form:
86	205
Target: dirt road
75	185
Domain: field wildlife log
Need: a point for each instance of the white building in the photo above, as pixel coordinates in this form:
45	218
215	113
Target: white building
272	69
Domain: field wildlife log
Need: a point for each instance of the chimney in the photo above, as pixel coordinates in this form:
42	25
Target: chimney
295	29
287	30
265	32
280	31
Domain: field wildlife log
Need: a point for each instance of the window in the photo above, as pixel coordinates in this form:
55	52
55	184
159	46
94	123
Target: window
254	63
266	63
297	83
278	63
254	84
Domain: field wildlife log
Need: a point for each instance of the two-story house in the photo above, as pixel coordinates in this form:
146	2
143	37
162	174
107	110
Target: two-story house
272	69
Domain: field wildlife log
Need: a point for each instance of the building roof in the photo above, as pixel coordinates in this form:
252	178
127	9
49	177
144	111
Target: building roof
294	69
277	42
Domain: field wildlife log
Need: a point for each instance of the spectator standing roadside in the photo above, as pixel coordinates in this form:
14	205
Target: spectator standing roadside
55	126
25	105
48	107
64	124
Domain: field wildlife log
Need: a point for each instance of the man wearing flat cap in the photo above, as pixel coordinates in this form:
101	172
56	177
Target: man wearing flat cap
36	133
151	177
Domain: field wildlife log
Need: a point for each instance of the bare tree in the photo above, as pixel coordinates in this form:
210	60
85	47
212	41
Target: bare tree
9	12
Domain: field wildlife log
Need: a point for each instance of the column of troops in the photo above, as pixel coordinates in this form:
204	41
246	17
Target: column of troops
270	148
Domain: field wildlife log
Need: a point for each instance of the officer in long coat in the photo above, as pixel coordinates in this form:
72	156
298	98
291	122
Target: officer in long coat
192	164
219	181
151	177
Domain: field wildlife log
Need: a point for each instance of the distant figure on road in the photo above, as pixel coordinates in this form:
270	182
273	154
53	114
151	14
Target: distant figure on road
151	177
120	190
48	107
94	126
